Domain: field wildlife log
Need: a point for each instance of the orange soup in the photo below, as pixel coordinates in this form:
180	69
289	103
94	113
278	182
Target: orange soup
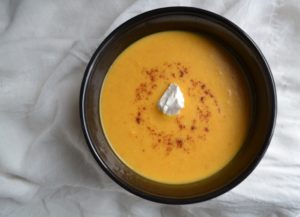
204	136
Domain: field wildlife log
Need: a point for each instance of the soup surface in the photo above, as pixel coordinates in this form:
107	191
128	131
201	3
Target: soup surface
206	134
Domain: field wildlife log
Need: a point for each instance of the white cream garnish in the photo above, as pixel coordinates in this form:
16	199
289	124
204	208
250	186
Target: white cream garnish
172	101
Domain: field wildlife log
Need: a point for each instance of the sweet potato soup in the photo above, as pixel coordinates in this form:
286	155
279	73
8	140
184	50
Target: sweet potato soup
204	136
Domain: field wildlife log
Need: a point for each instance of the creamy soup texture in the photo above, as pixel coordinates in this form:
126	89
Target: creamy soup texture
204	136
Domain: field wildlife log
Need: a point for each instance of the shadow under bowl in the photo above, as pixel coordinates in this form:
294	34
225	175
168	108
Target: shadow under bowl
254	66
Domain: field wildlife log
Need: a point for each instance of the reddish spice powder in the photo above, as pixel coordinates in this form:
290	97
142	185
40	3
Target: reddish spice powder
202	99
179	143
138	120
181	73
167	74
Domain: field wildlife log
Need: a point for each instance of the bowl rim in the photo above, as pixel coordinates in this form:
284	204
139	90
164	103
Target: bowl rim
246	38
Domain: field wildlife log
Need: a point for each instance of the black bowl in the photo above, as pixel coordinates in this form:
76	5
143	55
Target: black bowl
254	66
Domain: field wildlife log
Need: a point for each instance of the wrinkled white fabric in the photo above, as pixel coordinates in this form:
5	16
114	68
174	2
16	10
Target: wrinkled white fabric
46	168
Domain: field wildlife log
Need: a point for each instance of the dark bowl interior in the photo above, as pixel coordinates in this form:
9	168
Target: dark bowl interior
254	66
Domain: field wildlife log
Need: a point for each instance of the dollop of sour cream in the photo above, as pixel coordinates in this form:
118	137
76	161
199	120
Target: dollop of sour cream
172	101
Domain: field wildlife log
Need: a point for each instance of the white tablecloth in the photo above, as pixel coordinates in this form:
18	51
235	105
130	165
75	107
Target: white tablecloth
46	168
